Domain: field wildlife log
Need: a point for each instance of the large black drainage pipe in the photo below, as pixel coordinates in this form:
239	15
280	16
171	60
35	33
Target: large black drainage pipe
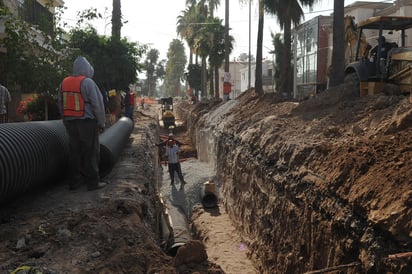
36	153
208	195
112	142
31	154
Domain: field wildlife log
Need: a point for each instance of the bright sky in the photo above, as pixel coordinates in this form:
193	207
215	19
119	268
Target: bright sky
153	22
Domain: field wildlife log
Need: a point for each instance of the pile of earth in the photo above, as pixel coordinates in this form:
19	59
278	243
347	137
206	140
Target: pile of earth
334	168
112	230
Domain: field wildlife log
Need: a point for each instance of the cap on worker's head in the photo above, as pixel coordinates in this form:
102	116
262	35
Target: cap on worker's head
382	38
170	134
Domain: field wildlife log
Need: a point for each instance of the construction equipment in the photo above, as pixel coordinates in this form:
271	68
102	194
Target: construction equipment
392	64
168	116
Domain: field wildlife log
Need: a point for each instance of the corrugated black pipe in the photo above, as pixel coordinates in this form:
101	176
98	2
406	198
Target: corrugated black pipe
112	142
31	154
36	153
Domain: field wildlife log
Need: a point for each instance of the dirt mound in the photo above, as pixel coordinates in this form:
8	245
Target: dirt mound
112	230
322	182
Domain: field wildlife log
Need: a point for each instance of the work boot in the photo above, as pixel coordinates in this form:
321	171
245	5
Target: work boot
75	183
99	185
74	186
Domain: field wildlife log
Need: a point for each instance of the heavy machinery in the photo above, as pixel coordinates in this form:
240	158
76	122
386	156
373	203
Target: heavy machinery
168	116
392	64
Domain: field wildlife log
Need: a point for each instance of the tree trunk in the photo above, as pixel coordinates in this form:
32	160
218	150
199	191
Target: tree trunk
338	52
212	85
258	75
116	20
204	78
285	72
190	56
216	82
227	42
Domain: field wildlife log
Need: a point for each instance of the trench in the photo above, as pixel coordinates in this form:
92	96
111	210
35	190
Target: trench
288	222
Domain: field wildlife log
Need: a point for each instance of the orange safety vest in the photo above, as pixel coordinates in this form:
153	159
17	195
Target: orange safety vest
73	101
227	87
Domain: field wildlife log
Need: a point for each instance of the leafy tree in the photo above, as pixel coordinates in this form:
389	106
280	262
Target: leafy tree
30	64
243	57
116	62
279	52
188	25
287	12
217	52
154	71
176	62
193	77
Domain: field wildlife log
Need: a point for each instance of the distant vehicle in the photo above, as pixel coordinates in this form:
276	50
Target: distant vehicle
168	116
392	64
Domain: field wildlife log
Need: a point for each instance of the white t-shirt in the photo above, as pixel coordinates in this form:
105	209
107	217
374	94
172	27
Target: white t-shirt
172	154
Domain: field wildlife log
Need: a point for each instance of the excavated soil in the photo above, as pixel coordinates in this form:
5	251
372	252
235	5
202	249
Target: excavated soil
304	187
316	186
112	230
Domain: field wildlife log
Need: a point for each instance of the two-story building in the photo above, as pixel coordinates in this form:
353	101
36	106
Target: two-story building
239	73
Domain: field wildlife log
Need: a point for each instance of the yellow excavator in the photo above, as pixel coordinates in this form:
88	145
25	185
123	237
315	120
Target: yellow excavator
391	64
168	116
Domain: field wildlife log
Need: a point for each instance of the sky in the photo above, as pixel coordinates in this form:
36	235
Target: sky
153	22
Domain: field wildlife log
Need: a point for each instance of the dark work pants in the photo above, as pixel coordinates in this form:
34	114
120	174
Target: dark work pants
84	151
175	167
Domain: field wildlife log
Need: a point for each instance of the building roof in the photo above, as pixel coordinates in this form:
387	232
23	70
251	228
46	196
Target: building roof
367	5
387	23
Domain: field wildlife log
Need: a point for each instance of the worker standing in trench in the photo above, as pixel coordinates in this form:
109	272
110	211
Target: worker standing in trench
172	153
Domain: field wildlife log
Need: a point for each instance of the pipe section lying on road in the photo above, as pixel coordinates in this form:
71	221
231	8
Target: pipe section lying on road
31	154
208	196
37	153
112	142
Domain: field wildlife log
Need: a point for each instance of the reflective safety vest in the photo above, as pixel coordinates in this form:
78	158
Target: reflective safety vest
73	101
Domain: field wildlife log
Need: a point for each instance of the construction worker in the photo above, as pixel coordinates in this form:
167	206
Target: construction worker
82	108
170	139
172	153
129	104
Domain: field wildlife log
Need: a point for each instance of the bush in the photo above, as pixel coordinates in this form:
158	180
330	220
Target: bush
34	108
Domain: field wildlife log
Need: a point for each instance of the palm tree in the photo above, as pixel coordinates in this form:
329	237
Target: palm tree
259	45
287	12
188	24
116	20
338	53
217	53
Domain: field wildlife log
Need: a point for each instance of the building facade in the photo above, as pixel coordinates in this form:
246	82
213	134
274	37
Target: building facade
313	40
310	50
